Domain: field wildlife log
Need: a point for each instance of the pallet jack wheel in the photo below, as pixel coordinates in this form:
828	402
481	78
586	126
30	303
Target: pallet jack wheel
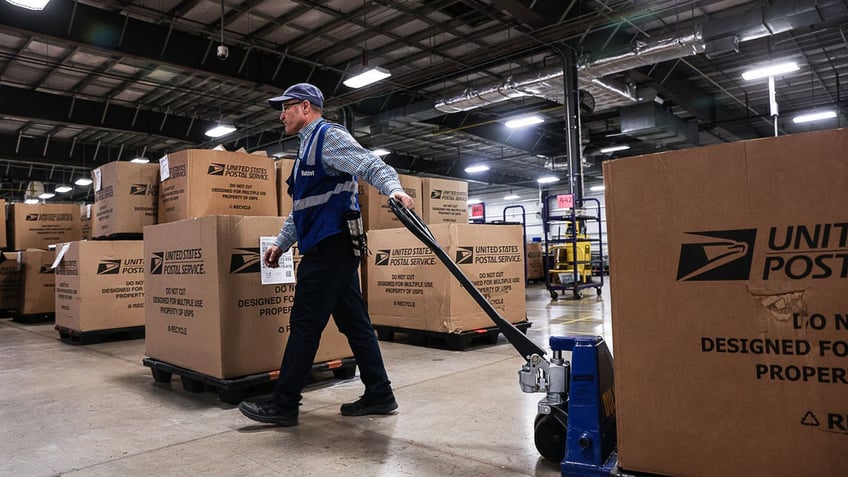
549	435
578	295
554	295
160	376
192	385
598	291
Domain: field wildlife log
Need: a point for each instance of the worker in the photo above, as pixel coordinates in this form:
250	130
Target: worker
323	186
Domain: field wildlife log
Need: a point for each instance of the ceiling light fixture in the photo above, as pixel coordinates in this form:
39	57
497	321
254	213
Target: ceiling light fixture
140	160
770	70
83	181
220	130
524	122
477	168
547	180
31	201
474	201
30	4
810	117
609	149
369	76
512	197
381	152
597	188
63	189
46	195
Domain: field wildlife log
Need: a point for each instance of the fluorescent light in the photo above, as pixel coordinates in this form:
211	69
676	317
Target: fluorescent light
597	188
63	189
524	122
477	168
474	201
31	201
770	70
371	75
547	179
512	197
46	195
821	115
140	160
381	152
620	147
220	130
30	4
83	181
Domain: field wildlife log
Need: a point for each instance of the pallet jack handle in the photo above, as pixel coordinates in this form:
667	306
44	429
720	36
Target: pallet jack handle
525	347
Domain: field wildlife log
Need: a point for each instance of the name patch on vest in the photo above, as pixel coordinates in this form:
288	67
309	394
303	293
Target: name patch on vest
307	173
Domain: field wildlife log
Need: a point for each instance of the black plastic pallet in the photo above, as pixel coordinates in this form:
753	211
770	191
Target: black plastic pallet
122	236
33	318
76	337
7	313
455	341
234	390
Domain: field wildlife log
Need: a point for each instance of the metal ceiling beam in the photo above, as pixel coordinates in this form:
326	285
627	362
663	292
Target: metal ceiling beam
522	13
58	109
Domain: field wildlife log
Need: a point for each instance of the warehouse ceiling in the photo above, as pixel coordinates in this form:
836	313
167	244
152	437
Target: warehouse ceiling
87	82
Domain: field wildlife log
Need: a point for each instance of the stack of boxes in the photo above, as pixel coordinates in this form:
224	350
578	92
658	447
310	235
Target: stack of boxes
407	287
100	283
205	307
26	279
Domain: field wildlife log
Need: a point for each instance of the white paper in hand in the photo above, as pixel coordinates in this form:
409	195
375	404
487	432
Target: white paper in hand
282	274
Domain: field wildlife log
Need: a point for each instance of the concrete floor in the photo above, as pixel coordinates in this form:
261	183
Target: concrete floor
95	410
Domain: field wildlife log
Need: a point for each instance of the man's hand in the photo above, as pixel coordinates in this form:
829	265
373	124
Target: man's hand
404	199
272	256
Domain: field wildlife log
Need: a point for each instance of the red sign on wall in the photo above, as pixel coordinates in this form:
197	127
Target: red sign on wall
565	201
478	211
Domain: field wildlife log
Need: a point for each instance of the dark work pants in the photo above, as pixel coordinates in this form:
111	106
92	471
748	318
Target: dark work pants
328	282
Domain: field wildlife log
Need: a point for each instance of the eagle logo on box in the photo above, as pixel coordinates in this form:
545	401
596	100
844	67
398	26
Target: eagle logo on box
216	169
728	258
109	267
247	262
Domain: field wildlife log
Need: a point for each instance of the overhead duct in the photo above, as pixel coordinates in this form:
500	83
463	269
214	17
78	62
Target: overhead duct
741	23
651	122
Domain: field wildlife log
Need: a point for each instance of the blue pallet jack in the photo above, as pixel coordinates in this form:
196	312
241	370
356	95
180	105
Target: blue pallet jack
575	424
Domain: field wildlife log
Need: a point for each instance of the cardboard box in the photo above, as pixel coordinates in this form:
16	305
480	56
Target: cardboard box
3	242
10	281
199	182
42	225
283	168
535	268
376	213
85	221
126	197
408	287
445	200
37	282
206	307
729	272
100	285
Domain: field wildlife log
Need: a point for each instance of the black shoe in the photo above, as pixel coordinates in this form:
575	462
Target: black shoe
364	406
267	412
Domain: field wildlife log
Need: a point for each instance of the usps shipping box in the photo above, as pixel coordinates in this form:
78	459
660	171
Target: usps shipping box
85	221
283	168
376	213
37	281
535	268
729	272
10	281
206	308
444	200
200	182
126	196
100	285
408	287
3	204
42	225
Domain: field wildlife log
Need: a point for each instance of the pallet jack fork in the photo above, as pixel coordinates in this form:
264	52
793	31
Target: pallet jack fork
575	424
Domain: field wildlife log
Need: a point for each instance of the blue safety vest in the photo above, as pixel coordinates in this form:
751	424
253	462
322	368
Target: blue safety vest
319	200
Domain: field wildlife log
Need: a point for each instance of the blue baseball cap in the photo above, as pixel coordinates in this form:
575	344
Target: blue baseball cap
301	91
